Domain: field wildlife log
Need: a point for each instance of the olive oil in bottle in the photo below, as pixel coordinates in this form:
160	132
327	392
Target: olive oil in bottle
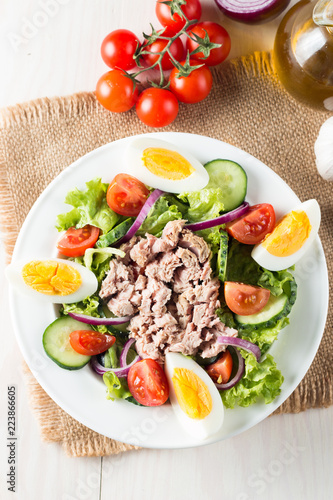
303	53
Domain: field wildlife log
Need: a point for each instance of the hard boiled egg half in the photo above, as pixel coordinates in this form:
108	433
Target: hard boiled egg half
193	396
162	165
58	281
290	239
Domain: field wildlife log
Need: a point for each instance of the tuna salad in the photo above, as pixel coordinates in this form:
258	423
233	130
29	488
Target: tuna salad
166	285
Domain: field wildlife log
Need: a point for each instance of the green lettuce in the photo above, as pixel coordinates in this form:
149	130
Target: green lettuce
90	207
264	337
242	268
202	205
160	214
117	388
261	381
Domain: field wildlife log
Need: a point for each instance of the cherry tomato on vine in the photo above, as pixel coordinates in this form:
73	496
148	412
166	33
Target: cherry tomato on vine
157	107
252	228
116	92
173	24
193	88
76	241
118	49
90	343
147	383
245	299
176	49
126	195
217	34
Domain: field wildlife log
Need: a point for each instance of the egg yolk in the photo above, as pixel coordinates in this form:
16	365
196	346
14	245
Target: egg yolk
192	394
51	278
289	235
166	164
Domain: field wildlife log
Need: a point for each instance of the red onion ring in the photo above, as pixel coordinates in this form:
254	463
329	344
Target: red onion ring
91	320
142	215
237	377
222	219
124	352
243	344
120	372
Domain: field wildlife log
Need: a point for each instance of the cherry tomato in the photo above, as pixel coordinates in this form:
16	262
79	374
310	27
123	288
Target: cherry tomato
254	225
157	107
176	49
173	24
193	88
76	241
245	299
220	371
147	383
116	92
217	34
118	49
126	195
89	343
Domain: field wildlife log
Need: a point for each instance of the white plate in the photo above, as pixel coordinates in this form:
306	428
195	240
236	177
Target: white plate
81	393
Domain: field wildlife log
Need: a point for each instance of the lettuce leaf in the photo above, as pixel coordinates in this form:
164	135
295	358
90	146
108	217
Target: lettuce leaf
90	207
264	337
117	388
261	381
160	214
242	268
203	205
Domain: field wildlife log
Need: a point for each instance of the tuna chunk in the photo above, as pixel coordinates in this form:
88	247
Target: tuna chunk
196	244
166	285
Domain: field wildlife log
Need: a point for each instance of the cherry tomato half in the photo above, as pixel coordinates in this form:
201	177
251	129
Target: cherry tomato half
193	88
254	225
220	371
173	24
89	343
245	299
157	107
217	34
116	92
118	49
147	383
126	195
76	241
176	49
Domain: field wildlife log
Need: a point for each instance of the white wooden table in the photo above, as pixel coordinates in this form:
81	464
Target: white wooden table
51	47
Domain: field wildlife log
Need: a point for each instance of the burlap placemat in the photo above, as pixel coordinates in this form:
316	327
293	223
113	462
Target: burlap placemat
247	108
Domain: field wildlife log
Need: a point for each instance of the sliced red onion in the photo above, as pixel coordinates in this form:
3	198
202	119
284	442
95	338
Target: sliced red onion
124	352
91	320
222	219
237	377
120	372
142	215
252	11
243	344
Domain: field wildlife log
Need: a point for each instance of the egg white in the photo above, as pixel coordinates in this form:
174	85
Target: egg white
133	165
88	285
211	424
275	263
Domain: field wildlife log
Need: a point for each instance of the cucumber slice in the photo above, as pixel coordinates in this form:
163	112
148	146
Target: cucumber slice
115	234
57	346
275	309
222	256
231	178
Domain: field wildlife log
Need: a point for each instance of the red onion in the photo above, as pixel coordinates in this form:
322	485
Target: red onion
237	377
120	372
222	219
124	352
91	320
243	344
142	215
252	11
